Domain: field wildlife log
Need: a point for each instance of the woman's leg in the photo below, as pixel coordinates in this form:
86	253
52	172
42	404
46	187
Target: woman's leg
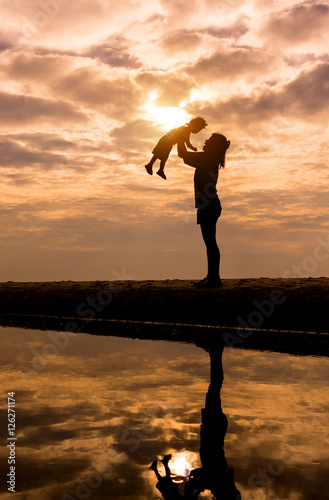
208	231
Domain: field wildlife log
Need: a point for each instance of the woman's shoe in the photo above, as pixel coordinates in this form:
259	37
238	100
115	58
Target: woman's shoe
210	283
202	281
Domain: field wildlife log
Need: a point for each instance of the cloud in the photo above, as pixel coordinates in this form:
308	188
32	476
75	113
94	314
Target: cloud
4	45
72	79
115	52
309	92
171	88
244	62
134	135
15	155
234	30
43	141
115	97
299	24
180	41
177	7
34	67
18	109
200	42
49	22
303	98
297	60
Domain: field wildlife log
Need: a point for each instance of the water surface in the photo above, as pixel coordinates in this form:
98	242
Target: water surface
94	412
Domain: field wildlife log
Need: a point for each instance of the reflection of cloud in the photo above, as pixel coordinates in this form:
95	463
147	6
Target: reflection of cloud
36	473
82	412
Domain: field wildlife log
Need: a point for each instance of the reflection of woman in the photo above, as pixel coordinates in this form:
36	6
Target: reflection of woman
215	474
206	164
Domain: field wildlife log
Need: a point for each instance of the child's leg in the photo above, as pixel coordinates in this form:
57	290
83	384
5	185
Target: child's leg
161	169
150	165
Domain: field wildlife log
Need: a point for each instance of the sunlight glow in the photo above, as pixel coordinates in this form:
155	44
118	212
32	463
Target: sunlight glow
169	117
180	464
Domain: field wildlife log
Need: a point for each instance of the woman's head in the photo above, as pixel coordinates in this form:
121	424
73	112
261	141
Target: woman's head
197	124
216	147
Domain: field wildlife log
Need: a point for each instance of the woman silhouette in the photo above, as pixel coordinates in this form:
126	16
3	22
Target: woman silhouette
206	164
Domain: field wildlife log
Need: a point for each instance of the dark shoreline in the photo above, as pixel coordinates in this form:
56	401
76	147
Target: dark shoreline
267	314
290	342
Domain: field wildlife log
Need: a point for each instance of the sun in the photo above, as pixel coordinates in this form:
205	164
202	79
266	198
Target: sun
168	117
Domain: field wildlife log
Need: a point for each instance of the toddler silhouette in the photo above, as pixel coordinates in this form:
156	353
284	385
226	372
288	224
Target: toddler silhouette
163	148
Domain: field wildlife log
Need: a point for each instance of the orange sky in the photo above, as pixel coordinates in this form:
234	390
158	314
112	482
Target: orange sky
83	87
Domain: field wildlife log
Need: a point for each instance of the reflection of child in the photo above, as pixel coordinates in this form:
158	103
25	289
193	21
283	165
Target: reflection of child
165	485
165	144
168	489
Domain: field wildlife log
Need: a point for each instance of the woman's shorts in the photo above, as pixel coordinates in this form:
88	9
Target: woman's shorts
210	214
163	148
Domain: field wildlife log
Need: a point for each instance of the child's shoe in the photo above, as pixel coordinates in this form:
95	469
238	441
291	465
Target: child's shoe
166	459
153	466
162	174
149	169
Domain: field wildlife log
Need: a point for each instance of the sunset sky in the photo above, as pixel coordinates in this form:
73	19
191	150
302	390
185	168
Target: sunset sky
87	90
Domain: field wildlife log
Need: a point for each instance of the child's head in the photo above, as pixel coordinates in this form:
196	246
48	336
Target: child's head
197	124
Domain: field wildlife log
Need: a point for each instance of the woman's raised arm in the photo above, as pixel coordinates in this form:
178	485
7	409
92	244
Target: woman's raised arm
192	159
181	149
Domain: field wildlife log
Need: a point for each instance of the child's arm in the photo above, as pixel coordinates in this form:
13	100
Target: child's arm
189	145
185	136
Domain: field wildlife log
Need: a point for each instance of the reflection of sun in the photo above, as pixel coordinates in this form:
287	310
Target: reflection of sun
181	463
169	117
